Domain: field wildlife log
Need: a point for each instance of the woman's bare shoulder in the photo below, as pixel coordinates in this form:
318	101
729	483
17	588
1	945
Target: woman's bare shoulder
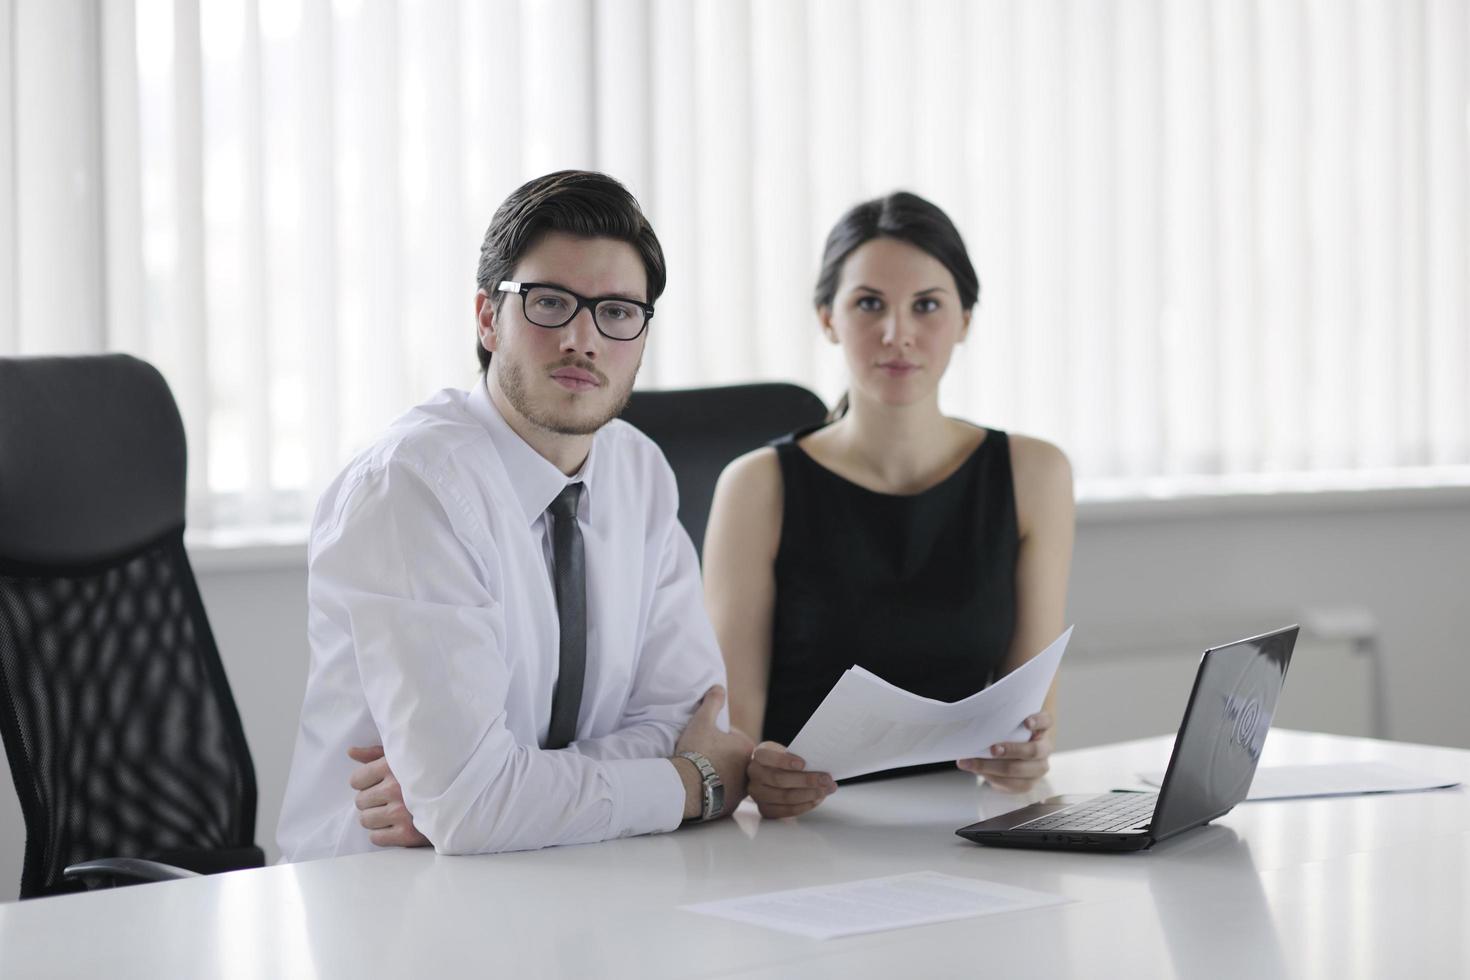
1038	457
757	471
1043	479
745	515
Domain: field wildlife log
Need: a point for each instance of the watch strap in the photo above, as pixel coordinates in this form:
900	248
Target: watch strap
713	798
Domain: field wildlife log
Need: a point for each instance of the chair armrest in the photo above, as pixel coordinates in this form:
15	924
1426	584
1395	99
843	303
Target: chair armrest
111	872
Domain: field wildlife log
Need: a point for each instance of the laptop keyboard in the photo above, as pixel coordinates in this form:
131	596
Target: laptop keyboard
1101	814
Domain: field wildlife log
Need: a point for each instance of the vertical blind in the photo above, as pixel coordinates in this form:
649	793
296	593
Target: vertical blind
1220	242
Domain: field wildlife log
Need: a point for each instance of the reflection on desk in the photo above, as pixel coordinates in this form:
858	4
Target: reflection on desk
1365	886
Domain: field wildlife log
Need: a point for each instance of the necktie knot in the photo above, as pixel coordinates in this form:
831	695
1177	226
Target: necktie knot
565	504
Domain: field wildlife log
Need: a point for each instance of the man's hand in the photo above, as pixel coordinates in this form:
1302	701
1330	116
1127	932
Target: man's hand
1017	765
780	785
380	801
728	752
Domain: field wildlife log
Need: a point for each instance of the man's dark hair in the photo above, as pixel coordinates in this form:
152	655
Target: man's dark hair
575	202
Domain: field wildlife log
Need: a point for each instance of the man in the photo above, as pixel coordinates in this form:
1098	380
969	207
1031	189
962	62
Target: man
506	619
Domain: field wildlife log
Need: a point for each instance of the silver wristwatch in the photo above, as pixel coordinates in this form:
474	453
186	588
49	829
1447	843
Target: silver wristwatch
714	790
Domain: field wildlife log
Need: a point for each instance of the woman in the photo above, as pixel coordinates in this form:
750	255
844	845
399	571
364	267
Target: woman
926	549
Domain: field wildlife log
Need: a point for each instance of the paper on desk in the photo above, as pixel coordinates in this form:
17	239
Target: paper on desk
875	904
1330	779
866	724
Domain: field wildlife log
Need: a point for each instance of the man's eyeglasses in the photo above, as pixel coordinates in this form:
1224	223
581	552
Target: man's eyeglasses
555	306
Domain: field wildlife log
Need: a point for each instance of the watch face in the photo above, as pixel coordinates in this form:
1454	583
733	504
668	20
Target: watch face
716	796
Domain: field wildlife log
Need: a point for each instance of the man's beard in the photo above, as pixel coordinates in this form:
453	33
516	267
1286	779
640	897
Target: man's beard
512	380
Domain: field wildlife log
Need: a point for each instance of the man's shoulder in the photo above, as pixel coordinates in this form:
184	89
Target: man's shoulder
633	455
628	439
430	437
437	441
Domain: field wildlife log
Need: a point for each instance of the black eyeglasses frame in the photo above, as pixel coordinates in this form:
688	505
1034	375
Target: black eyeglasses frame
583	302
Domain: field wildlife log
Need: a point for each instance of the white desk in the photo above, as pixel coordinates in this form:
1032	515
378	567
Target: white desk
1356	887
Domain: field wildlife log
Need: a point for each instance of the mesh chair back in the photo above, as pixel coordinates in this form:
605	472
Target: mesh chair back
121	733
701	430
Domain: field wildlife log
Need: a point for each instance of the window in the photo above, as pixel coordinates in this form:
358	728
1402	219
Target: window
1221	244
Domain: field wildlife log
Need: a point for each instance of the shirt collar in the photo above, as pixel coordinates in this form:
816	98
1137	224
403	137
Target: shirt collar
535	479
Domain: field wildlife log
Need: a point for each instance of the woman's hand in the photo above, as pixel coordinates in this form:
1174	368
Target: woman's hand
1017	765
780	785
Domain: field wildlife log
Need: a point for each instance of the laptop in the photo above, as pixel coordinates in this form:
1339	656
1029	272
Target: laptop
1215	755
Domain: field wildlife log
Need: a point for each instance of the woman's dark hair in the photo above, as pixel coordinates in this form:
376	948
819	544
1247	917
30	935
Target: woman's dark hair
908	218
575	202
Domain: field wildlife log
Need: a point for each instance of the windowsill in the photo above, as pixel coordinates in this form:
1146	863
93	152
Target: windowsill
248	549
1264	502
1266	494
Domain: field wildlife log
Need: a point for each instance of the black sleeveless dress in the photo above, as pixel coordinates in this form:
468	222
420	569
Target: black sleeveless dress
920	589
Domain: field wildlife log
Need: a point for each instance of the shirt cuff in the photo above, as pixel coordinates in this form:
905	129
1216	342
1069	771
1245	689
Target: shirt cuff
647	796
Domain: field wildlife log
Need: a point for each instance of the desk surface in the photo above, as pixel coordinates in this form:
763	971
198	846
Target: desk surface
1363	886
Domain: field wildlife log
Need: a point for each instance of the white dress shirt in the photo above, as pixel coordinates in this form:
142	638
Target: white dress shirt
434	633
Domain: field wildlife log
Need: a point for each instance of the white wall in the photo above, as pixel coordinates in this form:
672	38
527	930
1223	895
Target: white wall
1405	558
1402	557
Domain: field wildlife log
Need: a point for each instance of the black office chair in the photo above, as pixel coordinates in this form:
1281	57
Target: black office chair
701	430
123	739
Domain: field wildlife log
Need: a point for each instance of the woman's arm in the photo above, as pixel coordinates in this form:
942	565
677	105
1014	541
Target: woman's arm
740	544
1045	514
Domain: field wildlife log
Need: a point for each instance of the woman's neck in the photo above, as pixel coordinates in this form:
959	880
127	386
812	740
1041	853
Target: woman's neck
903	448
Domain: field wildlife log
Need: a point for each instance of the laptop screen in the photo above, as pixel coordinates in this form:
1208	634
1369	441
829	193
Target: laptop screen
1224	730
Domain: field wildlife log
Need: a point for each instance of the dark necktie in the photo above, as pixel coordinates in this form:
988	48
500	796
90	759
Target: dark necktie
571	613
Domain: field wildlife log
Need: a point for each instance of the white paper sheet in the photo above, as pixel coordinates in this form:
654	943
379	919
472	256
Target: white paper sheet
1329	779
875	904
866	724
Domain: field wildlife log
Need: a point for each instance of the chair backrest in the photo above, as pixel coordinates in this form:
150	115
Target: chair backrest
122	735
701	430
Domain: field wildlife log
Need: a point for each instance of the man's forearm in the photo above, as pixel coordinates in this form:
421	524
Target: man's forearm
644	740
650	739
555	798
